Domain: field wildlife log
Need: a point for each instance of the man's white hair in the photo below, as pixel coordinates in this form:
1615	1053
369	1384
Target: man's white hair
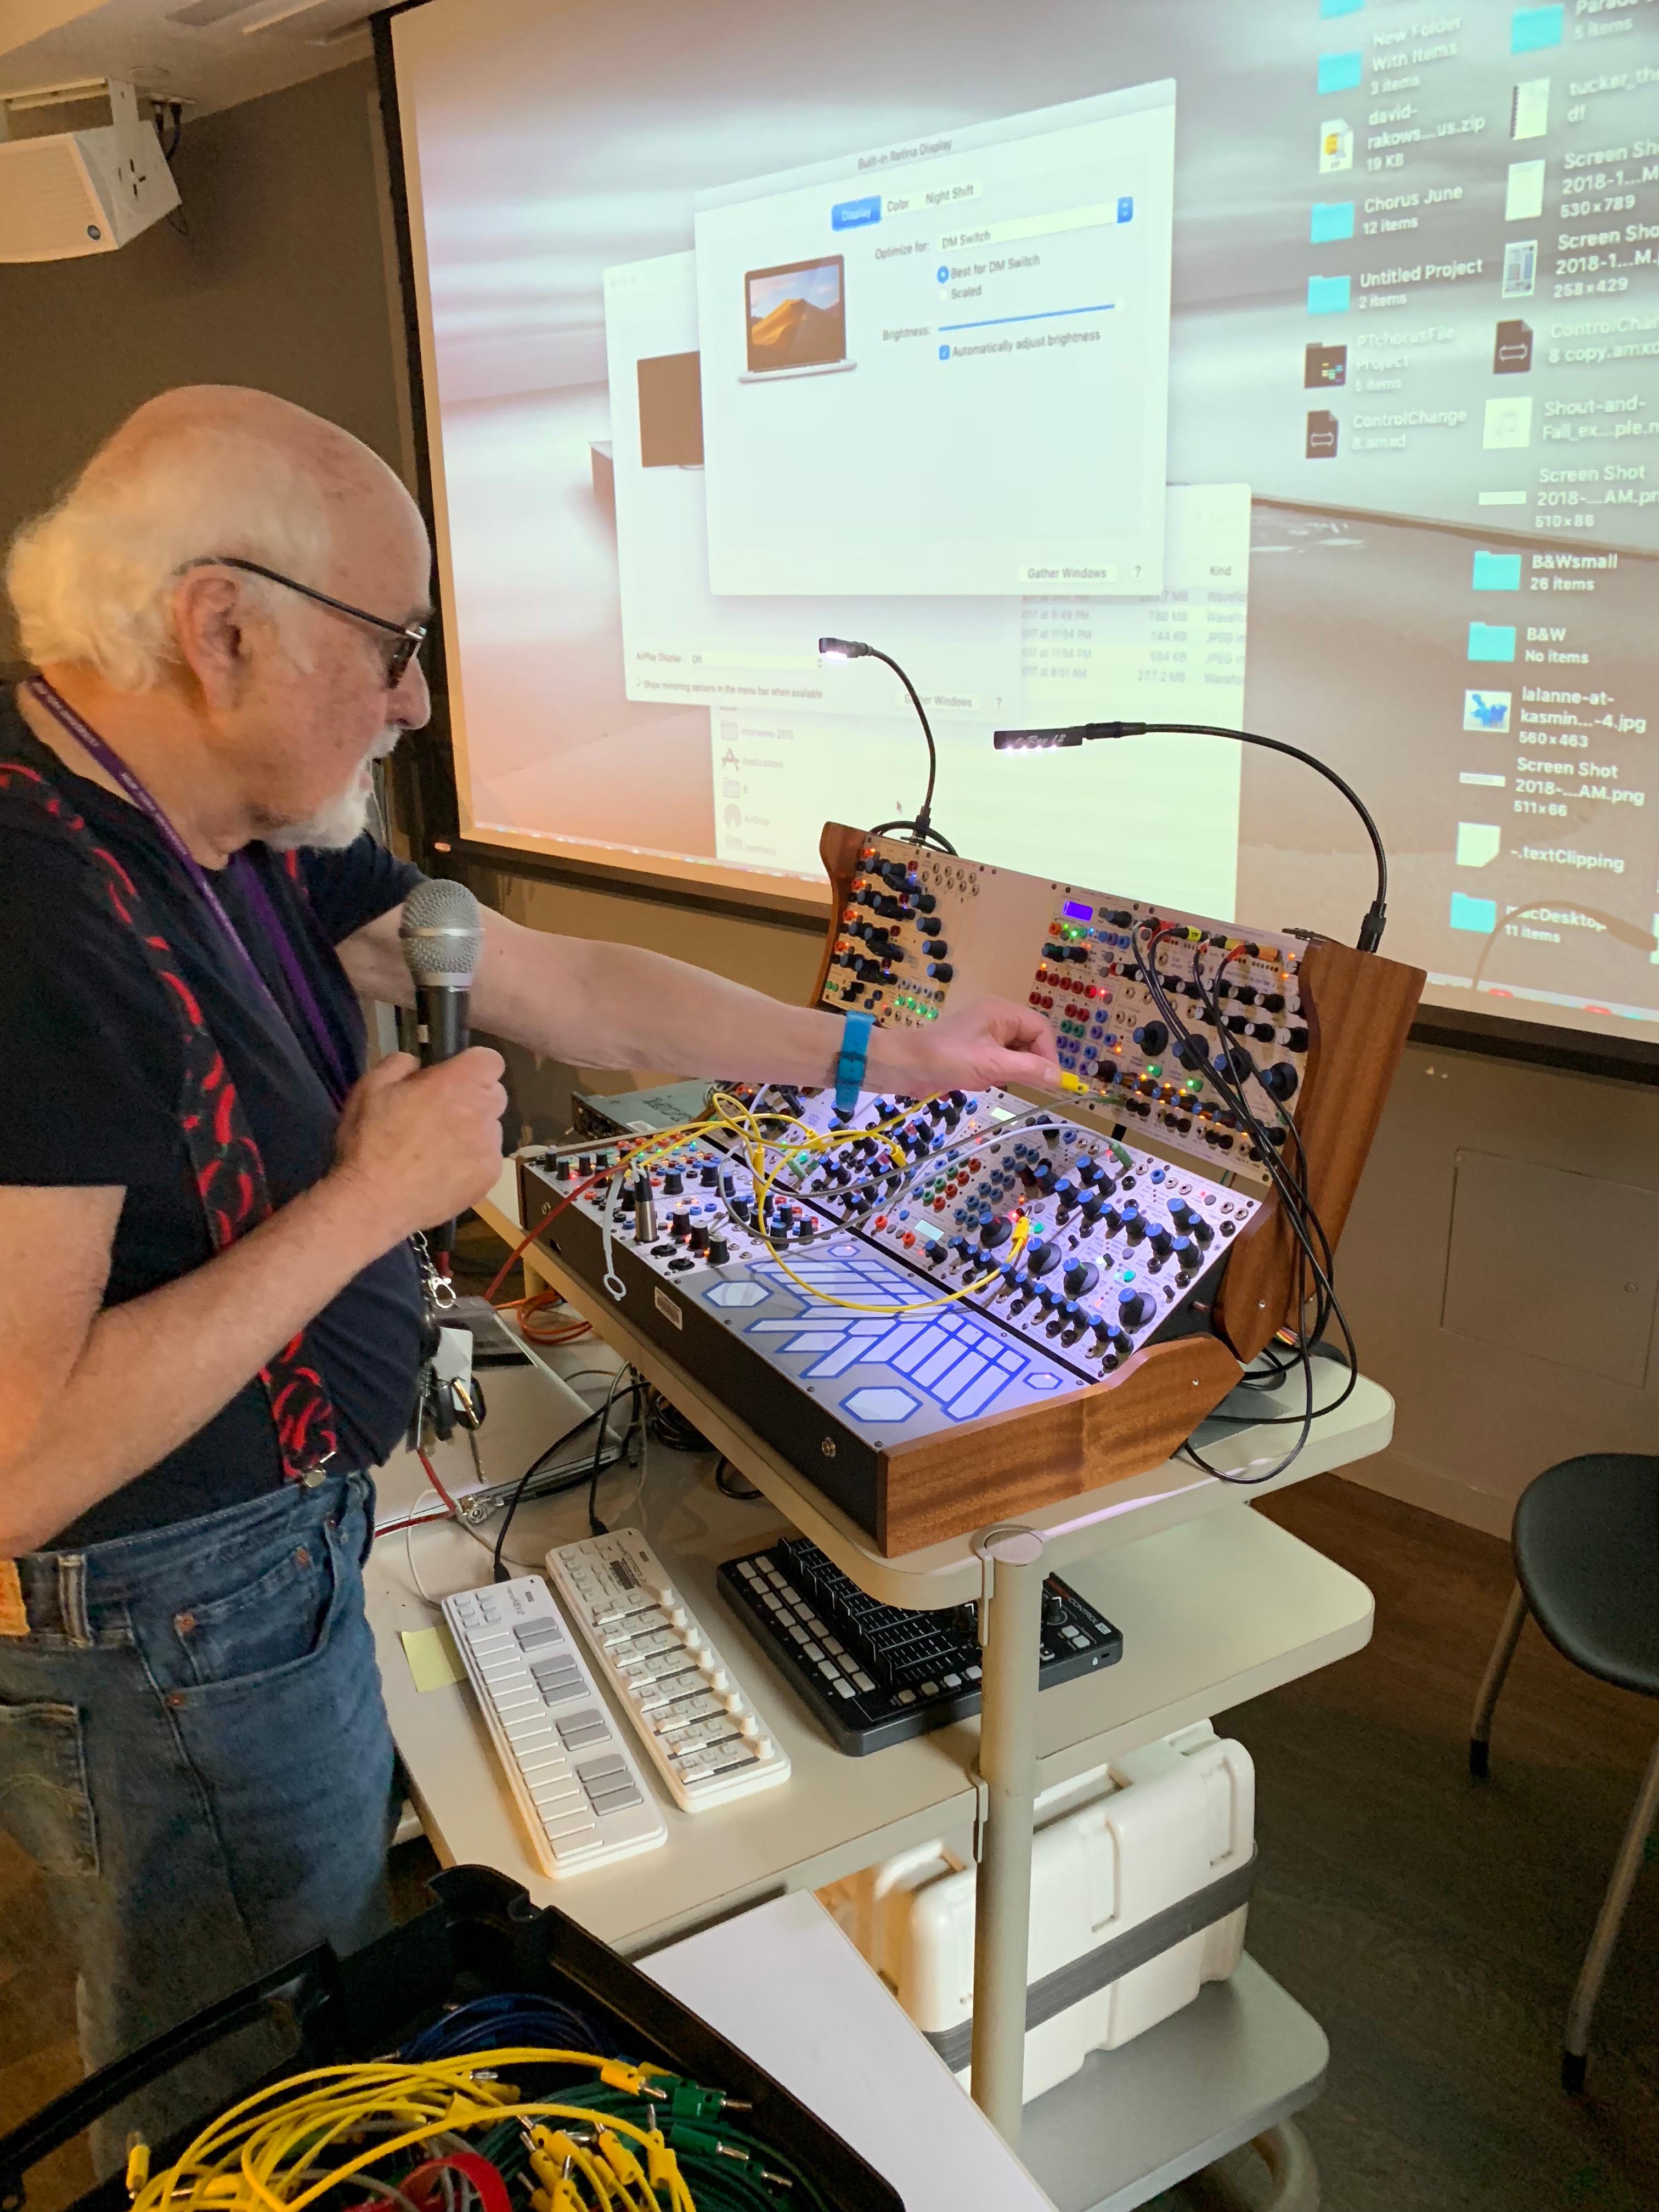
92	579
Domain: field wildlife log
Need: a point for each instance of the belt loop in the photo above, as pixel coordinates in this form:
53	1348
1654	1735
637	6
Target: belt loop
72	1599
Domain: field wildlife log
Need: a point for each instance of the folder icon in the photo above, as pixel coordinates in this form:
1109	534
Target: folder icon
1532	29
1478	915
1341	72
1332	219
1477	843
1497	572
1329	8
1328	295
1492	640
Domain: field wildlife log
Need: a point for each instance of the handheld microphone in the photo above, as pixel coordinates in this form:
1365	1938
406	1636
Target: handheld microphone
442	933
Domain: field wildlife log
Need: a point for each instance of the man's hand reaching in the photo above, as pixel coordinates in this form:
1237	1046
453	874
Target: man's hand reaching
990	1042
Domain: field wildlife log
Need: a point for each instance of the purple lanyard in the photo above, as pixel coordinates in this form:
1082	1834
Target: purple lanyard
335	1077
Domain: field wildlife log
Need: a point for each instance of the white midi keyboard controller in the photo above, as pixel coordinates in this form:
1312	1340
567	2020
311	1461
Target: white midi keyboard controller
581	1797
702	1734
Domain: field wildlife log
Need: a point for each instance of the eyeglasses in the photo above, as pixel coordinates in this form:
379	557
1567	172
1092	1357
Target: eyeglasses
411	636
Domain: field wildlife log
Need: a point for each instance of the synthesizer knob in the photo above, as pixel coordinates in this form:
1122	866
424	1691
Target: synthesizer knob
1296	1040
925	902
1152	1036
930	925
939	948
1274	1001
996	1232
699	1236
959	1099
1134	1309
806	1230
1189	1255
1134	1226
1092	1206
940	970
672	1183
1081	1279
1041	1258
1161	1242
1280	1081
710	1176
560	1170
719	1250
1182	1214
680	1225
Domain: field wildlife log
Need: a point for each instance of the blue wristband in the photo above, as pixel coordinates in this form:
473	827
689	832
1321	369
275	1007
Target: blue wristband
850	1060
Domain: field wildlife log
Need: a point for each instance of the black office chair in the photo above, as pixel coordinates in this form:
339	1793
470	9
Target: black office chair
1586	1544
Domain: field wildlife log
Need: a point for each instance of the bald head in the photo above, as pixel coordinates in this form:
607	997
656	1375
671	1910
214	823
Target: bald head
123	583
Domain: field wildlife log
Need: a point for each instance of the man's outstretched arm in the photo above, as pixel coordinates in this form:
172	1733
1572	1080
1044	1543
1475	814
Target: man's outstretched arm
614	1006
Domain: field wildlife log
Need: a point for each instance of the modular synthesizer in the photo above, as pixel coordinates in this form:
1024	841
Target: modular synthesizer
941	1309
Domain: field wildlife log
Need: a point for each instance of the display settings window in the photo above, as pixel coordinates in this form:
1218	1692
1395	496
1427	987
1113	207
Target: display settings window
942	367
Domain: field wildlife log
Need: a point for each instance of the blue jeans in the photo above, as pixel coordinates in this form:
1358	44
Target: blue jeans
194	1751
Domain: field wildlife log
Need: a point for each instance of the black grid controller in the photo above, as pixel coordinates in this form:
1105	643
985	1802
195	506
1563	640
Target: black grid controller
874	1673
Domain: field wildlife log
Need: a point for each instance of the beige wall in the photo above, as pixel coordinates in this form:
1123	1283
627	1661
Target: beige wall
282	283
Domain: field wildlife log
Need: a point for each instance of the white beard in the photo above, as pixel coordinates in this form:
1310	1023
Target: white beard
340	821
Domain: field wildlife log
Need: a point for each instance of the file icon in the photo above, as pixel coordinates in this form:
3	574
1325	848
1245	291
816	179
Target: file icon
1331	220
1487	710
1341	72
1512	348
1529	108
1532	29
1492	640
1523	200
1322	435
1324	366
1477	843
1508	423
1497	572
1328	295
1480	916
1336	147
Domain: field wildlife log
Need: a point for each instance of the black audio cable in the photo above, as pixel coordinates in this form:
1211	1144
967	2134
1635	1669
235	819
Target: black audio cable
1314	1256
921	831
1078	733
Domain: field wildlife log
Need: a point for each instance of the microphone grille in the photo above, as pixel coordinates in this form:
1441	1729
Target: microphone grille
442	932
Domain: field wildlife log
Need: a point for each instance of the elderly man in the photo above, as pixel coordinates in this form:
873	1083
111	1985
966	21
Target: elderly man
210	1310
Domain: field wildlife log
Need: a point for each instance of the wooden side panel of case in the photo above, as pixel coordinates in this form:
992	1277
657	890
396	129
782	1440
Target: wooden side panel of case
994	1468
1359	1009
839	847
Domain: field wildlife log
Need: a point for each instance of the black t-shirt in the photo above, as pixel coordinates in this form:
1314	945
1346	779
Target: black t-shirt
91	1061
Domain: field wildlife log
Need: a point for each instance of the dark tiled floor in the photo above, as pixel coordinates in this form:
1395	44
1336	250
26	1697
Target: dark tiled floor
1432	1924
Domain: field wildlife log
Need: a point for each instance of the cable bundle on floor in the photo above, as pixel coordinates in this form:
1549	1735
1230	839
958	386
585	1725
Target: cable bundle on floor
509	2128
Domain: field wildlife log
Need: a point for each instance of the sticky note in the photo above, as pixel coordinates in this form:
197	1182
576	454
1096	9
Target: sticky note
1478	844
431	1657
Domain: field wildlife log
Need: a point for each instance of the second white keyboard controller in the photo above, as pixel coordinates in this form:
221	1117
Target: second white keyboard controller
699	1728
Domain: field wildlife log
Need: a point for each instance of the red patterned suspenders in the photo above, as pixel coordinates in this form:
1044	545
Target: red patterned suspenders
224	1158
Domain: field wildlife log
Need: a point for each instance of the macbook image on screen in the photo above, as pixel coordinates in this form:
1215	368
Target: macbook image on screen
796	319
670	412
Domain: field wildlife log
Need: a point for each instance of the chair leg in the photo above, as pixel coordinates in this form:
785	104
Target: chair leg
1497	1667
1575	2044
